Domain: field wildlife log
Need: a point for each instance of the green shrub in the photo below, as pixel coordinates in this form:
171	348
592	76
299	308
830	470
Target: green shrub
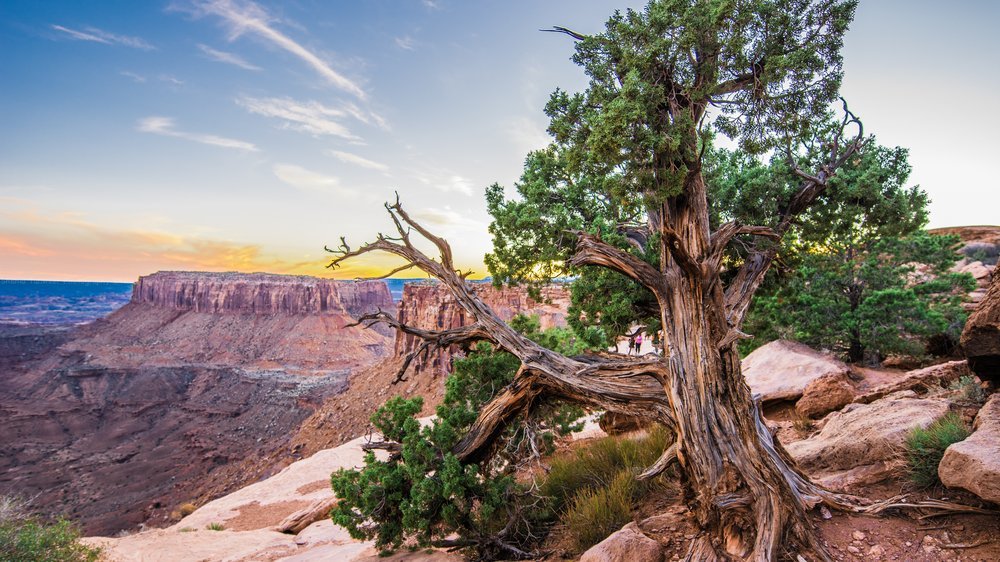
593	489
925	447
215	527
595	513
24	538
423	495
599	463
970	389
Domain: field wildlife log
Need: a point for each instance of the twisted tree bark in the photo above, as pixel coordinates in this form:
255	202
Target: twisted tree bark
750	499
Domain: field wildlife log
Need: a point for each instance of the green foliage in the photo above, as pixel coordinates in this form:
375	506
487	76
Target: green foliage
595	513
869	299
422	494
24	538
628	142
215	527
593	488
925	447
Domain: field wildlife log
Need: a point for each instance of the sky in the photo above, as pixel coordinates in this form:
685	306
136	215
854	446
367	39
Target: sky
230	135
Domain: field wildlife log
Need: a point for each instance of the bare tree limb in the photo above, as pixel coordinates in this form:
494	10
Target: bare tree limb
591	250
567	31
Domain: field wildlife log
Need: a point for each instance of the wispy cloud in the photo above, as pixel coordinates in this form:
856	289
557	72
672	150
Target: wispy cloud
226	57
443	180
100	36
308	180
431	4
309	117
405	42
448	218
246	17
350	158
135	77
165	126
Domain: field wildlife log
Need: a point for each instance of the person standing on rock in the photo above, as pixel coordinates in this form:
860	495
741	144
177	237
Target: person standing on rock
631	344
638	343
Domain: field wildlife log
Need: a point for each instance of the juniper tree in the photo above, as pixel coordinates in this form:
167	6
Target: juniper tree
768	71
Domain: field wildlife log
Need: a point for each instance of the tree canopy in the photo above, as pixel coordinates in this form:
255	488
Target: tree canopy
626	174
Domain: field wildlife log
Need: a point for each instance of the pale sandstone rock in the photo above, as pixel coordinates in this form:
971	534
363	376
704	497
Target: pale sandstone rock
625	545
825	395
782	369
928	378
974	464
865	434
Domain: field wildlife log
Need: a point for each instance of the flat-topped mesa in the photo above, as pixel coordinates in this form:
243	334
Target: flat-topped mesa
260	293
432	306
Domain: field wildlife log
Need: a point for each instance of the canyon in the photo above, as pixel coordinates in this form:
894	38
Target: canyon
115	422
205	382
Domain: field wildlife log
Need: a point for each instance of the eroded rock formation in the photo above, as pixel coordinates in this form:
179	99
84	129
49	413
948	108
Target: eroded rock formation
432	306
981	336
123	419
974	464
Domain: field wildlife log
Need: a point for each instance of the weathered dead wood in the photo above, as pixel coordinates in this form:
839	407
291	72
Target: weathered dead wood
747	494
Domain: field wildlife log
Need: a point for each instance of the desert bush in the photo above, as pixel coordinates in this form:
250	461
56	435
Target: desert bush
215	527
595	513
983	252
598	464
970	390
925	447
25	538
423	495
186	509
593	489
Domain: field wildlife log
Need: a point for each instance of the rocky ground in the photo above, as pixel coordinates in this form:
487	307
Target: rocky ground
856	448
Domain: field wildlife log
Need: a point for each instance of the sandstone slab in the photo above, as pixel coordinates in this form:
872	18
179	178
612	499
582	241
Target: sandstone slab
974	464
824	395
981	336
781	370
865	434
625	545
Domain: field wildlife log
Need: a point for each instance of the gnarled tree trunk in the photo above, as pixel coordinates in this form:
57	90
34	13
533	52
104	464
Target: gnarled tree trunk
749	498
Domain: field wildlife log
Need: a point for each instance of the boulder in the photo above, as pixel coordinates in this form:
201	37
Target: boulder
782	369
625	545
981	336
974	464
614	423
919	380
866	434
825	395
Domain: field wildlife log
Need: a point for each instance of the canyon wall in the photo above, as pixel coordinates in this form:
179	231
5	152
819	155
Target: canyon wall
119	421
296	324
432	306
259	293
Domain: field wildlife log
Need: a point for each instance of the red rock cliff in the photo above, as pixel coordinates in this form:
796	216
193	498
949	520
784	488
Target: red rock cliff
260	293
121	420
432	306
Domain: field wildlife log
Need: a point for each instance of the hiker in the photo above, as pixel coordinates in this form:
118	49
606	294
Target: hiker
631	344
638	343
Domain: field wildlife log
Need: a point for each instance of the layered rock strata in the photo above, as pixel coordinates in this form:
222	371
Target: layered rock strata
121	420
432	306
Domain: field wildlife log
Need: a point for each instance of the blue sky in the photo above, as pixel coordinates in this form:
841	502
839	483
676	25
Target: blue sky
220	135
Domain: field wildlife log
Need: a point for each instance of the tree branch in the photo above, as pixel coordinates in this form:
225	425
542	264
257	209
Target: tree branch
748	279
630	386
591	250
567	31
